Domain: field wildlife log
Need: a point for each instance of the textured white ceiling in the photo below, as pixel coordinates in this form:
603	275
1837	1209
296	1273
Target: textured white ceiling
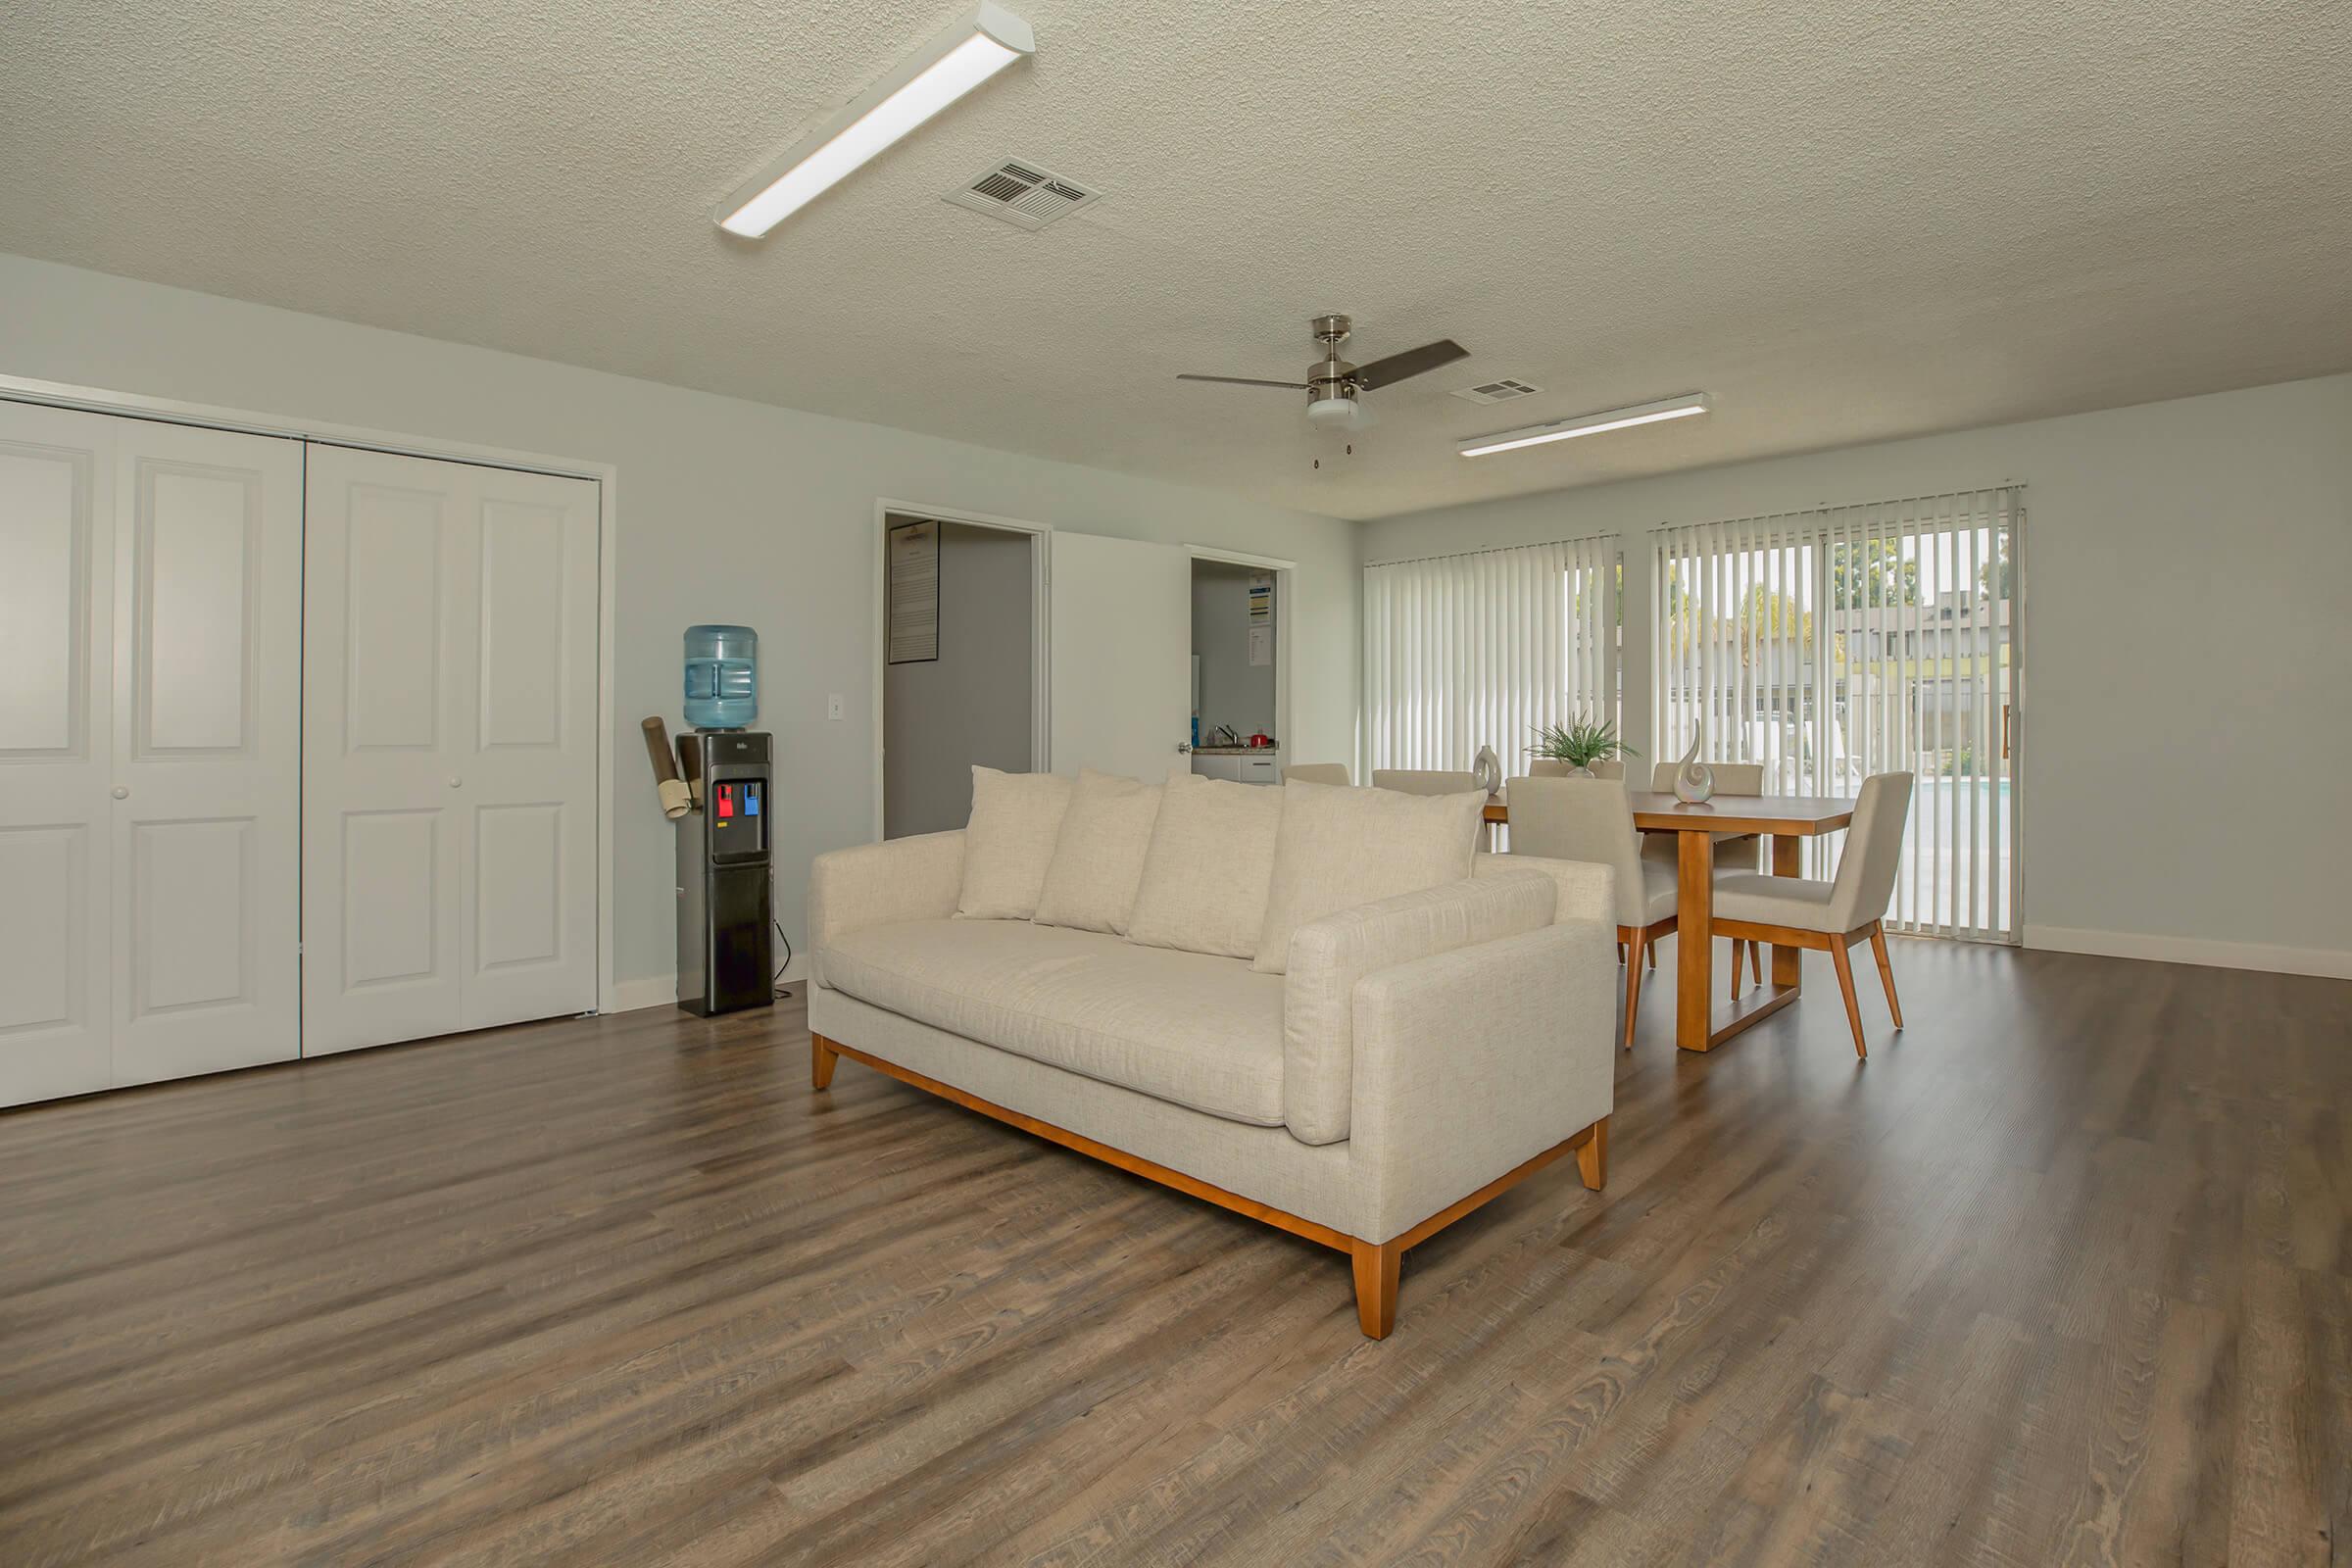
1846	220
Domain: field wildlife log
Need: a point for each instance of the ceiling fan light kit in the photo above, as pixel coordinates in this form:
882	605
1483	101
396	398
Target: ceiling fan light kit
985	40
1676	408
1333	387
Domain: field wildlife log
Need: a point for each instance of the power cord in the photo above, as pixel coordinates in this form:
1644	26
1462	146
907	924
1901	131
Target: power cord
783	990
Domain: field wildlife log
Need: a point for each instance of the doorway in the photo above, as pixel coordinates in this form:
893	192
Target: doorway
1237	689
960	675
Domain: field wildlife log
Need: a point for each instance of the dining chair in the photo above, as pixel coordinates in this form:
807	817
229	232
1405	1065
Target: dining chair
1591	819
1318	773
1424	780
1734	851
1830	916
1555	768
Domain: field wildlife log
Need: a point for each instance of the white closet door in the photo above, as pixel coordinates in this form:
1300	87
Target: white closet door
529	915
56	836
449	748
380	852
1122	628
207	751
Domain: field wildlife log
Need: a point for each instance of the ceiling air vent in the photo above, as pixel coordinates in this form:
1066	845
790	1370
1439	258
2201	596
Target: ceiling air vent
1021	193
1496	391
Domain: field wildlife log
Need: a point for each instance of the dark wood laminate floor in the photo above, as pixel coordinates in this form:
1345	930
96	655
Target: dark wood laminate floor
2063	1275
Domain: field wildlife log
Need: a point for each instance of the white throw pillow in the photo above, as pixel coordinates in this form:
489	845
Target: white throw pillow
1341	846
1098	858
1205	879
1010	842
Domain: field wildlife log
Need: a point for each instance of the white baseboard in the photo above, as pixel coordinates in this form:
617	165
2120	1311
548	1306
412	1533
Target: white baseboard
2192	950
662	989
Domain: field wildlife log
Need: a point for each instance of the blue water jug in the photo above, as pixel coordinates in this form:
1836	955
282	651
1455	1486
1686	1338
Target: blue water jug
722	677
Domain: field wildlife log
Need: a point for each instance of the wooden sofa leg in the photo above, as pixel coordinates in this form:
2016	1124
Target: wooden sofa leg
1376	1270
1592	1159
822	1059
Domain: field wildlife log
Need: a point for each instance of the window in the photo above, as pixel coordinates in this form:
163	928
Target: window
1482	648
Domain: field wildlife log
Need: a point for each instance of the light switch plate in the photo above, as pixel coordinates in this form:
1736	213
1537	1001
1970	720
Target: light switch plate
833	705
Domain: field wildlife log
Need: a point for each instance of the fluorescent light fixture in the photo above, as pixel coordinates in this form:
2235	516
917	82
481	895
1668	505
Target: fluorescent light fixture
1530	435
984	42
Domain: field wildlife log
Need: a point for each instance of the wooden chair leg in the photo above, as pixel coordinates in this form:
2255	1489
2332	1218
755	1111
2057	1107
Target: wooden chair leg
822	1059
1653	954
1592	1160
1620	953
1633	984
1738	958
1755	957
1845	984
1376	1269
1878	945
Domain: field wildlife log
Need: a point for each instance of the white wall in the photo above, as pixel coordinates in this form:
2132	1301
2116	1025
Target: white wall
2188	651
972	704
729	512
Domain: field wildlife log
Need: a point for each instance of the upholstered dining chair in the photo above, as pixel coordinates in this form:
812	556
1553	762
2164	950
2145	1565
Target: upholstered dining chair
1424	780
1591	819
1830	916
1734	851
1318	773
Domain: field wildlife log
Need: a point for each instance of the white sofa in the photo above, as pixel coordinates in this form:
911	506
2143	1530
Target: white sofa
1422	1052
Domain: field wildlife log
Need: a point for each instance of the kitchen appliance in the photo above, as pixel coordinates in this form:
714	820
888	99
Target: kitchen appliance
726	909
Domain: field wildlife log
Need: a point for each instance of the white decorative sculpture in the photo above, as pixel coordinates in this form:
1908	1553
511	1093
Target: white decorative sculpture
1693	780
1488	769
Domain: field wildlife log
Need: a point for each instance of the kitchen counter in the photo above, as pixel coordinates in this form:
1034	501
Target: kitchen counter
1234	751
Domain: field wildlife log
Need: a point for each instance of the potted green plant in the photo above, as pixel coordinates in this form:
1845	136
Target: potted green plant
1580	743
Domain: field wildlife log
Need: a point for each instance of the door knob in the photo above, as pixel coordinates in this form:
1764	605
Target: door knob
121	792
455	782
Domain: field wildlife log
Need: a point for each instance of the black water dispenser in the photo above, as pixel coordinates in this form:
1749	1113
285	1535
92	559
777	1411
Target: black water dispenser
726	916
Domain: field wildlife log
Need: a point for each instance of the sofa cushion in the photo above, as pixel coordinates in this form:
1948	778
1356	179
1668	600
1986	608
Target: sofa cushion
1203	888
1338	847
1010	842
1099	857
1200	1031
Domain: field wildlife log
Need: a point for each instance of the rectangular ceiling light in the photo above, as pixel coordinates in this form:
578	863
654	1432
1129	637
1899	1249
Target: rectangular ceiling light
1680	408
984	42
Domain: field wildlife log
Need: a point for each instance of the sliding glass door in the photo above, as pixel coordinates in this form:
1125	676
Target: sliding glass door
1836	644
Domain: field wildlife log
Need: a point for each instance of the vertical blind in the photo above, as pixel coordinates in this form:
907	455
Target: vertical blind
1836	644
1482	648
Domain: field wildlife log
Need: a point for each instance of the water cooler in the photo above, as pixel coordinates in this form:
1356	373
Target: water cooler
727	910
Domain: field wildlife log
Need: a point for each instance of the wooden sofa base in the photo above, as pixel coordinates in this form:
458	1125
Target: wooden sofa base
1376	1264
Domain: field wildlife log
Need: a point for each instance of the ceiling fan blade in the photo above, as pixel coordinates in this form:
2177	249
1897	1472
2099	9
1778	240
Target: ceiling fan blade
1245	380
1412	361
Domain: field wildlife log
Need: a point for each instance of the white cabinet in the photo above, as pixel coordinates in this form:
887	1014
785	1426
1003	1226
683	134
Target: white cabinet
150	723
449	748
1252	768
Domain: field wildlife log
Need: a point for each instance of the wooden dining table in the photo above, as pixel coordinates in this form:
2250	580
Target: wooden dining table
1787	820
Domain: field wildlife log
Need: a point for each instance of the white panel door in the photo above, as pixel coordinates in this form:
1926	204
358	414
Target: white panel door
381	830
206	908
450	766
56	836
529	915
1122	635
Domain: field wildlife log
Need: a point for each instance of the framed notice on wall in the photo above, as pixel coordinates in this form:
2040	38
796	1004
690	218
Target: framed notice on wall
913	592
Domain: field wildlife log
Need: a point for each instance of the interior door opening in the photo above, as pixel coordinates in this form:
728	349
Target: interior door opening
959	680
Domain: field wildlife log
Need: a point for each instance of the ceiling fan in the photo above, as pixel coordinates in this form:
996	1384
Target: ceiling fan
1333	386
